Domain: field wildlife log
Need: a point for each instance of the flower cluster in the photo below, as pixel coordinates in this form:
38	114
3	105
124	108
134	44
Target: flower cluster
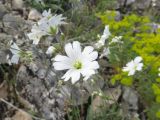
47	25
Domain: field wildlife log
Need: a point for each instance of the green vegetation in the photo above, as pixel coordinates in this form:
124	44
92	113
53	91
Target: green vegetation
139	39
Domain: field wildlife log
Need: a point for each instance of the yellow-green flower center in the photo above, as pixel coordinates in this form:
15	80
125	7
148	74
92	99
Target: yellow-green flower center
52	30
77	65
49	17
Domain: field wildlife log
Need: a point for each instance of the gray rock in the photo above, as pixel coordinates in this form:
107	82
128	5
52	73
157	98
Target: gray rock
17	4
93	85
157	3
112	93
13	24
130	96
129	113
4	40
41	73
118	16
3	57
33	67
120	3
142	4
134	4
40	96
34	15
3	11
130	2
51	77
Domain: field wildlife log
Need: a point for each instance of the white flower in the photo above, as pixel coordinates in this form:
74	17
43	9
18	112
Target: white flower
15	53
106	52
35	34
46	16
50	50
159	72
50	24
116	39
101	42
103	38
77	62
134	65
47	25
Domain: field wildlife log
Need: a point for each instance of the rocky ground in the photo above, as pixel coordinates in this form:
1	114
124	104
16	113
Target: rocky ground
35	88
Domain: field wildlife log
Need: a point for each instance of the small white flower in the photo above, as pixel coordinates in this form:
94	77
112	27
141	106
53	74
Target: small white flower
50	50
77	62
116	39
159	72
103	38
101	42
35	34
15	53
47	25
46	16
106	52
134	65
50	24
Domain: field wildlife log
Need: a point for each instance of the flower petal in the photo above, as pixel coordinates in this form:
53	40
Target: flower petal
106	31
69	50
87	74
61	58
139	67
14	48
61	66
92	56
87	50
131	72
138	59
77	48
75	76
15	59
91	65
67	75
